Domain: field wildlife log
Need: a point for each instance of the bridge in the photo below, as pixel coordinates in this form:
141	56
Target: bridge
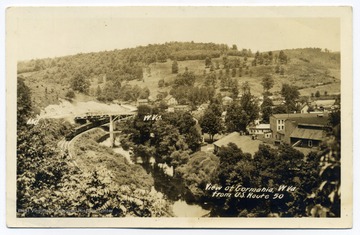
110	116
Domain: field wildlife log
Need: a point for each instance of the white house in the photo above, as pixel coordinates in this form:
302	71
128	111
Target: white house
226	100
260	129
171	101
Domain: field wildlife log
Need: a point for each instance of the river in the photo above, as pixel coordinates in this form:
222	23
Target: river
172	189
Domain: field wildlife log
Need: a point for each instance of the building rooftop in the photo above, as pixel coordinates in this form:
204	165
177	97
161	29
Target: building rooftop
245	143
312	120
303	133
324	103
299	115
227	98
263	126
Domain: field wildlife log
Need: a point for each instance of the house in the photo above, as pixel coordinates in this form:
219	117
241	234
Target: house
299	129
142	102
171	101
181	108
260	129
304	108
203	107
278	102
324	105
170	110
227	100
245	143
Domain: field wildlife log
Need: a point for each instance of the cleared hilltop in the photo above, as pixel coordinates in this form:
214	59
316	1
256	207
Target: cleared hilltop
151	71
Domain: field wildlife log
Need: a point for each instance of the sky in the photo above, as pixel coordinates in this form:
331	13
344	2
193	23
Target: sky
44	32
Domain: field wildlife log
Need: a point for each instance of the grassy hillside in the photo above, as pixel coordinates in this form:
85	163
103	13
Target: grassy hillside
49	80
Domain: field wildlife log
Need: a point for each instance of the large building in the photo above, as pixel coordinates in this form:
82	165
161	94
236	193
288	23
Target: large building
300	129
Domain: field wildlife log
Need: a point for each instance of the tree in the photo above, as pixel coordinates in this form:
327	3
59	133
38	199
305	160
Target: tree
80	83
250	105
233	72
24	106
240	115
144	93
166	140
199	171
282	57
245	87
227	72
236	118
277	69
234	88
140	130
225	62
193	139
70	94
267	83
280	109
179	158
174	67
290	94
282	70
317	94
187	127
211	123
229	156
266	109
161	83
207	62
98	91
144	152
210	79
185	79
217	65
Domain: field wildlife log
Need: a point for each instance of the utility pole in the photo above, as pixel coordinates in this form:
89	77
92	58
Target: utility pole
111	130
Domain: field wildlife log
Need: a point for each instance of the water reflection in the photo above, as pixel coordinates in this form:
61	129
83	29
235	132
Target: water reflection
182	209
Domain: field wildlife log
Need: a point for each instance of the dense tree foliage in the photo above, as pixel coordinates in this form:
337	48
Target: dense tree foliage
192	95
240	114
211	123
113	90
268	83
290	94
266	109
199	171
185	79
80	83
50	184
270	168
210	80
283	59
24	106
175	67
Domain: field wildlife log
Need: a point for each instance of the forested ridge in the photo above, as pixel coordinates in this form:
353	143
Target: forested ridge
152	70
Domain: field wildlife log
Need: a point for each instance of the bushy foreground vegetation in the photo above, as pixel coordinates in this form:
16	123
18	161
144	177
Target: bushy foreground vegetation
56	183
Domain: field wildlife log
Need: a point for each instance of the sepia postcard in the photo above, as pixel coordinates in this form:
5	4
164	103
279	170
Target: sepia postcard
179	117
